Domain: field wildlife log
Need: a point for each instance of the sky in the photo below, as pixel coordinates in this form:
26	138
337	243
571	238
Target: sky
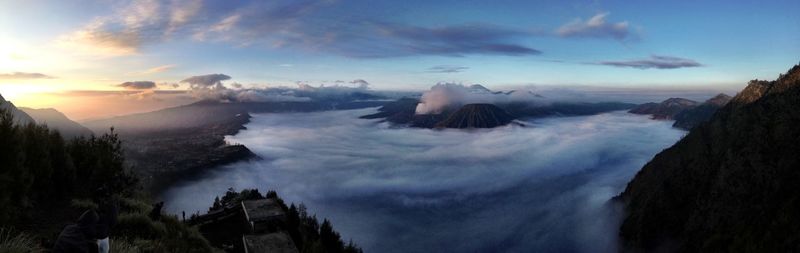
62	53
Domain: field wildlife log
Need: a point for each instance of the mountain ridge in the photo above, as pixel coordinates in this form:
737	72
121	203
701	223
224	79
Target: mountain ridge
665	110
689	118
403	111
20	117
57	120
729	185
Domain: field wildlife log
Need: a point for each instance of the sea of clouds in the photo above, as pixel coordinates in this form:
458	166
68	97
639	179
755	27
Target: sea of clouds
541	188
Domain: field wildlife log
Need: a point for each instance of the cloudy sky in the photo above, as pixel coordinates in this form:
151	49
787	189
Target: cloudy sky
51	47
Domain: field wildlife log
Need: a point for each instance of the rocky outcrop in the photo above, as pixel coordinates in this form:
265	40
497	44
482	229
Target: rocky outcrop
730	185
692	117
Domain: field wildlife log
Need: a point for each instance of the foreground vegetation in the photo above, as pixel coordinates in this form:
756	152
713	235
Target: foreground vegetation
46	182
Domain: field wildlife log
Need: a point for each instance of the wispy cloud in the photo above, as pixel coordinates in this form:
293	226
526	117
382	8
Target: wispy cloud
454	40
446	69
169	84
654	61
302	25
596	27
138	85
206	81
362	84
24	75
158	69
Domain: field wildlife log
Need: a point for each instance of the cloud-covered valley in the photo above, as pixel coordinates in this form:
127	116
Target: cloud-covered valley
542	188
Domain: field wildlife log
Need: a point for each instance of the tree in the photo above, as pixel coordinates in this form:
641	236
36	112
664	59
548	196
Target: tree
39	167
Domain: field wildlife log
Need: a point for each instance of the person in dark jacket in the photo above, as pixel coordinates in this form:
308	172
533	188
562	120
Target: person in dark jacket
109	210
79	238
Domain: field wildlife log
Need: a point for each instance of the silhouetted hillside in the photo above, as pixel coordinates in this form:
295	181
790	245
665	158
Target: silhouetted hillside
730	185
476	116
205	113
20	117
692	117
180	143
665	110
181	117
58	121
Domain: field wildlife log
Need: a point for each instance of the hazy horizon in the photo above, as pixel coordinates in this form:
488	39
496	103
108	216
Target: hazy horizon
83	105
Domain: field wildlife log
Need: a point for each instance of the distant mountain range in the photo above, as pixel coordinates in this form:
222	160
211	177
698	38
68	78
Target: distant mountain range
730	185
666	110
205	113
403	112
183	142
48	116
57	120
689	118
686	113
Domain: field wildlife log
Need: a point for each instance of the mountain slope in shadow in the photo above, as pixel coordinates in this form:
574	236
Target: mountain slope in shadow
57	120
666	110
20	117
692	117
730	185
477	116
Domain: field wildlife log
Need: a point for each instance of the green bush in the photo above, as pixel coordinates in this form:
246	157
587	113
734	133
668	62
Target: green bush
167	235
14	242
138	225
180	238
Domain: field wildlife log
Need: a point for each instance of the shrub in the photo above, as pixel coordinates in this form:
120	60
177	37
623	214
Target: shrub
134	205
138	225
140	234
180	238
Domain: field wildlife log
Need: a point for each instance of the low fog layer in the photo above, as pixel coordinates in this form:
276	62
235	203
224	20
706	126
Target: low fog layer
527	189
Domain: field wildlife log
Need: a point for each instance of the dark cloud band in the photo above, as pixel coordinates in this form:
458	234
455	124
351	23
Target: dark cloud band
446	69
656	62
138	85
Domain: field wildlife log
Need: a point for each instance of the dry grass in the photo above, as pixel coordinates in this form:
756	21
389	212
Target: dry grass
15	242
